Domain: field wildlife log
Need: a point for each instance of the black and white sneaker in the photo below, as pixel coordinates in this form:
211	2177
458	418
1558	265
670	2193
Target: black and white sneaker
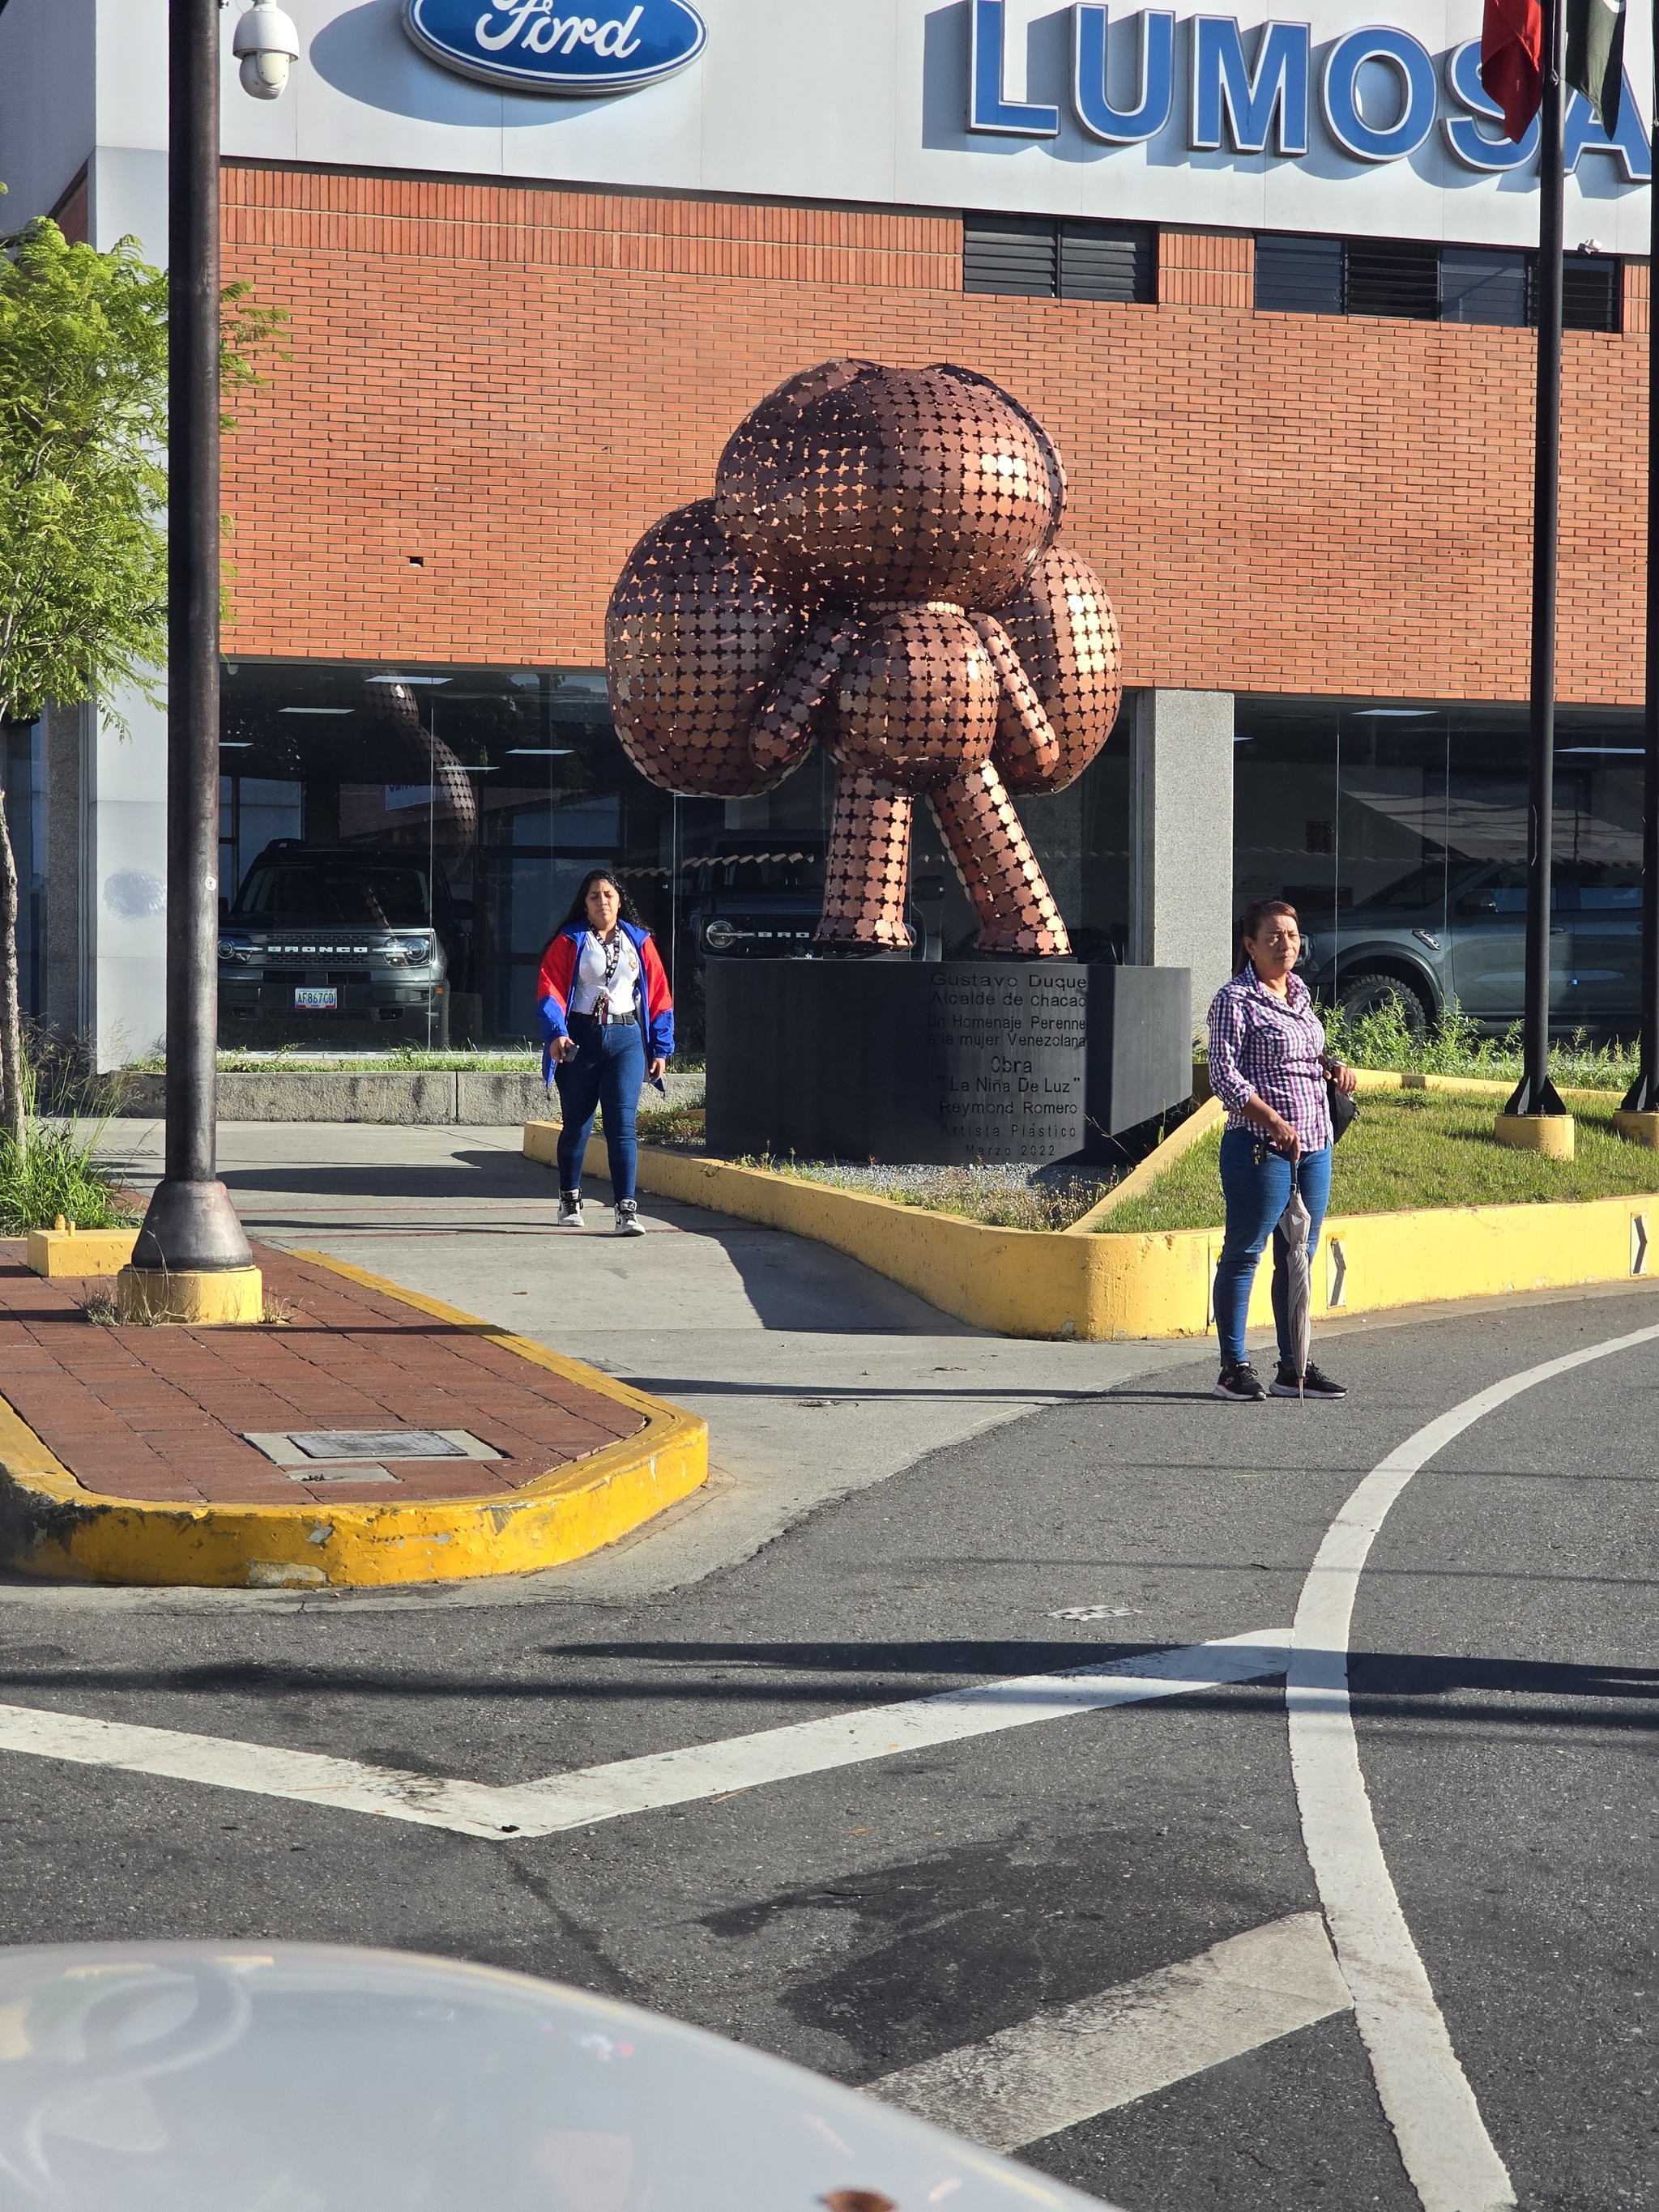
628	1218
1241	1383
1316	1383
570	1209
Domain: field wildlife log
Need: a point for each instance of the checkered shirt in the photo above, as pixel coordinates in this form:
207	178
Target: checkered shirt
1273	1049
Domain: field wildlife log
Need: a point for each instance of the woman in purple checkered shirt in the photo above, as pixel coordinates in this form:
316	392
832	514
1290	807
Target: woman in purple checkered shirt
1268	1067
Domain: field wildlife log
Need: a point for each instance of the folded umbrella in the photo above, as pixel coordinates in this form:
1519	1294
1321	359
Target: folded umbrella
1292	1235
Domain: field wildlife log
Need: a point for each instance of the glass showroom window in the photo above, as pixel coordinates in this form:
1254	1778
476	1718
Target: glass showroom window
399	844
1398	829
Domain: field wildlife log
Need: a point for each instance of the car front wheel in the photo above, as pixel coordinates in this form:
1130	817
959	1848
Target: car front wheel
1371	993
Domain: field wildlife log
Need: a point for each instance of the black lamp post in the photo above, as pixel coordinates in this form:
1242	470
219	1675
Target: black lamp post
1642	1096
1535	1094
191	1226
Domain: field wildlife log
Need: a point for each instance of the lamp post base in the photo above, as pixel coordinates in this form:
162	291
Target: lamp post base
1640	1128
1551	1134
191	1227
228	1297
191	1263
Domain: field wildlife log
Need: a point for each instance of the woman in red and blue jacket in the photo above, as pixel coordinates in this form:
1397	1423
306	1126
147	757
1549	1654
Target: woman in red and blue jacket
607	1021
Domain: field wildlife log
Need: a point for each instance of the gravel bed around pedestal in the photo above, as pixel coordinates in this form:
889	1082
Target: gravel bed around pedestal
1006	1196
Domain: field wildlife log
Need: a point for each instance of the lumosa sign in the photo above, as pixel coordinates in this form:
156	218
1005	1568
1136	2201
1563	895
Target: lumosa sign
538	46
1377	91
1300	116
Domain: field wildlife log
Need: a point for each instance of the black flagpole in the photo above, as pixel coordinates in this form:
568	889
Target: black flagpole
1642	1096
1535	1094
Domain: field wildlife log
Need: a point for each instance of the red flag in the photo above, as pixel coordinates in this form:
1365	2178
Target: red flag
1512	61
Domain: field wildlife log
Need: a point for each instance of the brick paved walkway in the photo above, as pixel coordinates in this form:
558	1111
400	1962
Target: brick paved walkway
159	1413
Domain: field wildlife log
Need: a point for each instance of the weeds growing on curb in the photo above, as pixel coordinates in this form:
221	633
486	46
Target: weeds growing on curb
524	1059
101	1309
680	1128
56	1171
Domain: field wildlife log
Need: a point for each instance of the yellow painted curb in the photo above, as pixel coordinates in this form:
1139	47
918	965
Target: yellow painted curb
190	1297
72	1251
1029	1282
1192	1132
50	1525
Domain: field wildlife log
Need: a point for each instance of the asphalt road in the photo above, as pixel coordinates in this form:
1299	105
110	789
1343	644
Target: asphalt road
869	1918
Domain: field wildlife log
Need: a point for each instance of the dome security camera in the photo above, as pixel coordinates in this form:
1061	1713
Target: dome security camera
266	44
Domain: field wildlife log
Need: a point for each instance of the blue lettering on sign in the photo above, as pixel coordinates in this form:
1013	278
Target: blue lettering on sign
1377	88
1582	134
1474	147
988	109
540	46
1123	126
1345	117
1250	98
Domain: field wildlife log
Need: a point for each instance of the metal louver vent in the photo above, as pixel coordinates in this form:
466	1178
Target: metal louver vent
1108	261
1299	276
1010	253
1392	277
1591	294
1483	284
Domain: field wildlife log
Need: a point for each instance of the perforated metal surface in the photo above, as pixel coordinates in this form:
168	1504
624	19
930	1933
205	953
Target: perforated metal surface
879	569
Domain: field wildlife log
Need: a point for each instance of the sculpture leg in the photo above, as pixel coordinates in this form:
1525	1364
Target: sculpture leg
868	864
998	870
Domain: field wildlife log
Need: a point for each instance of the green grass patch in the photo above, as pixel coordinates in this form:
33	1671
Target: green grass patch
1418	1148
1455	1047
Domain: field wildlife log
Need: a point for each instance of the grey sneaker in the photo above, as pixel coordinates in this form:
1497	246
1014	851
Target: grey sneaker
570	1209
628	1218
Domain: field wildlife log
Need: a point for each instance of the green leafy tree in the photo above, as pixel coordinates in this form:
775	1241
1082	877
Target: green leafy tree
83	376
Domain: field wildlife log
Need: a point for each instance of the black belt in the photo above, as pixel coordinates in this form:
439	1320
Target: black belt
630	1020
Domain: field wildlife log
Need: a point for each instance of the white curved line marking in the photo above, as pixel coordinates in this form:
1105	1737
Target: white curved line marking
1443	2139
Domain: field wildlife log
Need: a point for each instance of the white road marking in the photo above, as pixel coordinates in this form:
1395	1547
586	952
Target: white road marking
1448	2154
592	1794
1083	2059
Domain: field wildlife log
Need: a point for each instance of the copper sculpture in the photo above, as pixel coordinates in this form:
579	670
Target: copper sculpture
877	569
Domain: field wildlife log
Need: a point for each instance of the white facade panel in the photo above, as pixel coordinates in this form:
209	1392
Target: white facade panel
126	860
865	100
870	100
129	199
47	121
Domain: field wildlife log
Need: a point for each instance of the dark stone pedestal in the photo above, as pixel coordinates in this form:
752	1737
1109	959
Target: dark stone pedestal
902	1061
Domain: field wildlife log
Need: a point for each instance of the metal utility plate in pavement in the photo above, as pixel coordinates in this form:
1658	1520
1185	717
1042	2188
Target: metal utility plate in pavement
312	1449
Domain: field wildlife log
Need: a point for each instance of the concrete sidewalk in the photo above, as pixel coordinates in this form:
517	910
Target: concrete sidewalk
815	1376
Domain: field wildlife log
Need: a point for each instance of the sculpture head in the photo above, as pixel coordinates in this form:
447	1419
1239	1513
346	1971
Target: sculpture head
877	570
853	481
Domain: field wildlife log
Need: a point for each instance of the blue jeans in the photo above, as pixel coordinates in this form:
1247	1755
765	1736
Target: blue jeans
607	1070
1256	1184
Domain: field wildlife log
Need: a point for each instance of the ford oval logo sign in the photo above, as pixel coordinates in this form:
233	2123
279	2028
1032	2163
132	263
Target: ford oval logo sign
541	46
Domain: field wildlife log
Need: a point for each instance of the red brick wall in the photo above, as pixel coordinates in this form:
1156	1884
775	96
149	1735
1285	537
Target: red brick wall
510	382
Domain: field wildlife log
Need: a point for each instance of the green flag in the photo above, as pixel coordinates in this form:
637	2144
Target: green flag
1595	56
